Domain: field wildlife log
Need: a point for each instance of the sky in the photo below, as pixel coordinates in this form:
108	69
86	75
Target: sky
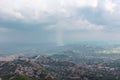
59	21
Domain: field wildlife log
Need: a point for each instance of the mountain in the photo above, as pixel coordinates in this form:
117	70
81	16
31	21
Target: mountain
73	62
23	66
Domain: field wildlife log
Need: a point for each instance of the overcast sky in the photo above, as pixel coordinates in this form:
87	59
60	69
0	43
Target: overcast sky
59	21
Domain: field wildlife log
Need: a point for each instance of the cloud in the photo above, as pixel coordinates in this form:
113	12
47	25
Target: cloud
30	16
96	13
80	24
35	9
110	6
42	10
106	13
2	29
